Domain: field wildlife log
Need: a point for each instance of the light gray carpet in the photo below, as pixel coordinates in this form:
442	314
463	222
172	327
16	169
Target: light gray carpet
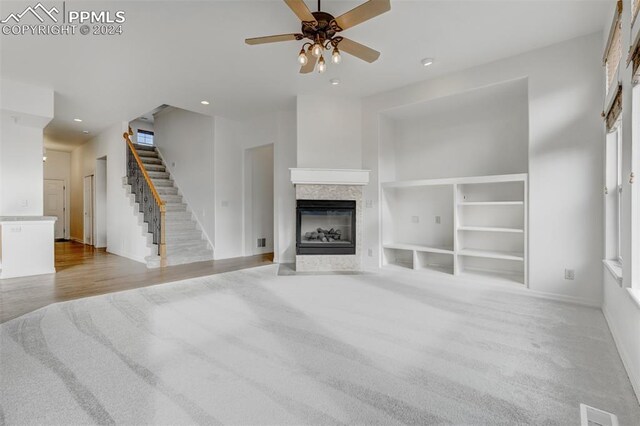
252	347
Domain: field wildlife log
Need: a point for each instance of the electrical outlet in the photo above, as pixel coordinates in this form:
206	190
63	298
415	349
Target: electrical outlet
438	220
370	252
173	164
415	219
569	274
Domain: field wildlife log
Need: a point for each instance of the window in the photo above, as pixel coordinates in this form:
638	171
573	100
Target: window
613	194
613	52
145	137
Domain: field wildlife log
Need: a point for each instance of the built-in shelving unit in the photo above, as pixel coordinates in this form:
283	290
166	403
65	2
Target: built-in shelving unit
474	227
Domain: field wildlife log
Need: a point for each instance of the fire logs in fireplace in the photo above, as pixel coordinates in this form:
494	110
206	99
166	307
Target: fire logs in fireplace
323	235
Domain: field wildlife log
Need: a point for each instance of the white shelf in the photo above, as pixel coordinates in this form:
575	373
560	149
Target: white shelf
416	247
491	203
496	228
490	229
520	177
491	254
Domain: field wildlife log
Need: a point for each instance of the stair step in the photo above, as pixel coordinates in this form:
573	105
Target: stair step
147	154
167	190
150	160
155	168
178	215
175	207
179	225
162	182
158	174
186	247
182	236
171	198
140	147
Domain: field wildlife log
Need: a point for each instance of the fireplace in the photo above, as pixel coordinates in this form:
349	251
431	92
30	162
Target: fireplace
325	227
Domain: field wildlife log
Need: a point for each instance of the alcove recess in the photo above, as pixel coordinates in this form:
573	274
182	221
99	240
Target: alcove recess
454	184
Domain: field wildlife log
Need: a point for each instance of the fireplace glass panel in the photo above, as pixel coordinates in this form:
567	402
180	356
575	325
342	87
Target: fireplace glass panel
326	227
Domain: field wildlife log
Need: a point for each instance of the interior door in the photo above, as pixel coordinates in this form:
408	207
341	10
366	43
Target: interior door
54	204
88	210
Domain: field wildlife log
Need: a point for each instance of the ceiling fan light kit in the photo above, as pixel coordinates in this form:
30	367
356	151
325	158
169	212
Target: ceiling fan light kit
321	28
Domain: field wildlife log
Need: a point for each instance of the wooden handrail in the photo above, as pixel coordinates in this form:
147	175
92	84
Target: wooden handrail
162	247
156	196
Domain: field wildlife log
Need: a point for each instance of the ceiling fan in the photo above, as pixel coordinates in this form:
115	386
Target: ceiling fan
323	29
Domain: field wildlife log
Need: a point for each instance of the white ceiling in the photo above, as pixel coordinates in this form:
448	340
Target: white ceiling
182	52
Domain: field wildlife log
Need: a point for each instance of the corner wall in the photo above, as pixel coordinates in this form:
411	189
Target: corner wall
25	111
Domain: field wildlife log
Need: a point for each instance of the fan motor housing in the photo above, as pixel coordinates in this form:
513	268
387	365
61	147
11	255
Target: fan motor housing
322	30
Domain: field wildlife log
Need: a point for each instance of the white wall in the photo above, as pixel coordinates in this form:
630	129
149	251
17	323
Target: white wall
232	138
58	167
25	111
565	159
285	157
477	133
329	132
228	158
258	186
125	232
21	169
185	140
100	210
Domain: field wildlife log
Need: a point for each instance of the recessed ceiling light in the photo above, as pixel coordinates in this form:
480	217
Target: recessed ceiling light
77	120
334	81
86	132
426	62
204	102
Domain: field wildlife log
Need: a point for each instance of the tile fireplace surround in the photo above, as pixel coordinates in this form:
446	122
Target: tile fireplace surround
331	184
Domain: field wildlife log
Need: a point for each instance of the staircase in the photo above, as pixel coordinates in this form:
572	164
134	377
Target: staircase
184	239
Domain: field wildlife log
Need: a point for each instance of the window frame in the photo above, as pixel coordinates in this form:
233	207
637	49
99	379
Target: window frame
613	195
145	133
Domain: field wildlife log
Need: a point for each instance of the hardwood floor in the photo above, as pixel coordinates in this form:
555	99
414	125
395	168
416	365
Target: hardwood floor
83	271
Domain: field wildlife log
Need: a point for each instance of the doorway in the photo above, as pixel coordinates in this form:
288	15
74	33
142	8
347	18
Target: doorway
258	200
54	205
88	203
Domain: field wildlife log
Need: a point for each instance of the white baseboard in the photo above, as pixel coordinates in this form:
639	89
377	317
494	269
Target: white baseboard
634	376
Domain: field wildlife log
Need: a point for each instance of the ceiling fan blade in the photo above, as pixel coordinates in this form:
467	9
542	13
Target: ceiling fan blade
364	12
358	50
273	38
311	64
301	10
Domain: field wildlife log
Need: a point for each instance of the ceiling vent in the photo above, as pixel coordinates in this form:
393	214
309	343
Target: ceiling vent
590	416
